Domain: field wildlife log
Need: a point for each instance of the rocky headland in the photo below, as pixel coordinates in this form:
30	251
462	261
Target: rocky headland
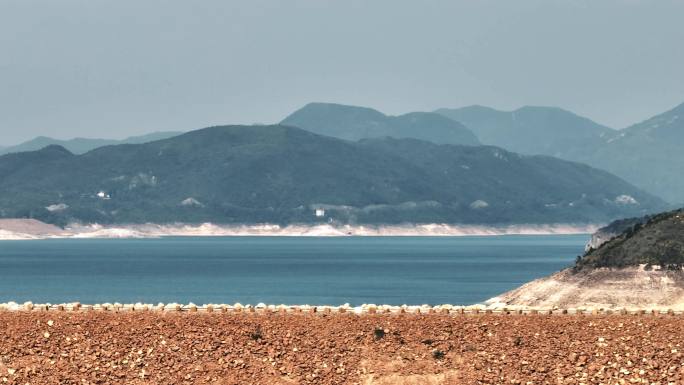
640	267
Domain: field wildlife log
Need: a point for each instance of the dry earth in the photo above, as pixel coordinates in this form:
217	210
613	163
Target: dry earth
27	229
243	348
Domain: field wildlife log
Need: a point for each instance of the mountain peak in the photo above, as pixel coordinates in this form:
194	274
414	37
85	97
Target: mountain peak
472	109
55	149
545	109
338	106
534	130
355	123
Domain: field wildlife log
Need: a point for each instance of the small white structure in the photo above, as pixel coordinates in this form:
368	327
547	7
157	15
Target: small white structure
479	204
625	200
57	207
103	195
320	213
191	202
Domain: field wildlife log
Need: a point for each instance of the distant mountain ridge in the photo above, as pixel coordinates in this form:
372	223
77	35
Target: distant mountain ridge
281	174
355	123
648	154
83	145
532	129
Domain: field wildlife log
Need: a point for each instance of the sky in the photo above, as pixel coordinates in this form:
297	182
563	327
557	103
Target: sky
112	69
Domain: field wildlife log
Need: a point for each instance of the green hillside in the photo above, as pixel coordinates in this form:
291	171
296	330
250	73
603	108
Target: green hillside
250	174
648	155
659	240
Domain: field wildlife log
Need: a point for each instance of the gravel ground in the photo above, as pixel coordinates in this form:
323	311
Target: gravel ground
192	348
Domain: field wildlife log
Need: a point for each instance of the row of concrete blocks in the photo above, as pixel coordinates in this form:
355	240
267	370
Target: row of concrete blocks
307	309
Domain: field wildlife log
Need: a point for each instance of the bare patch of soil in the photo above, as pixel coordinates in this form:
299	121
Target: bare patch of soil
204	348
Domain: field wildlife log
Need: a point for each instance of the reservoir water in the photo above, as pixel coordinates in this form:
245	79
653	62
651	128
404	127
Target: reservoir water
275	270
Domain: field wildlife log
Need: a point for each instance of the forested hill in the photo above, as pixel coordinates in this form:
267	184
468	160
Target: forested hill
657	240
280	174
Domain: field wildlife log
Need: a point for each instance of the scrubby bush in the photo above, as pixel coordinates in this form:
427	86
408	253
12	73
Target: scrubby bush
378	333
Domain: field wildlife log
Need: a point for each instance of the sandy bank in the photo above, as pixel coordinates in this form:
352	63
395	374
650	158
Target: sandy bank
27	229
30	229
148	347
631	287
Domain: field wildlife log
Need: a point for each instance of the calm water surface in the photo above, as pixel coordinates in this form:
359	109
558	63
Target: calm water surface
291	270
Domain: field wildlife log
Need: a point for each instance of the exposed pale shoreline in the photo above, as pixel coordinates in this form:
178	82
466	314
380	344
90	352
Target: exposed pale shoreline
27	229
366	309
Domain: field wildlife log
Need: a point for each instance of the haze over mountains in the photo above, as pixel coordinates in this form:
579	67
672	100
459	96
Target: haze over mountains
532	130
280	174
361	166
354	123
83	145
647	154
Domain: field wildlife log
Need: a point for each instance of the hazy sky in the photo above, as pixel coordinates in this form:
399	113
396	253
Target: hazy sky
118	68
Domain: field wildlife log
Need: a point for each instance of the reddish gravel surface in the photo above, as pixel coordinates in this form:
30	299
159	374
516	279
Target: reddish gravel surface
173	348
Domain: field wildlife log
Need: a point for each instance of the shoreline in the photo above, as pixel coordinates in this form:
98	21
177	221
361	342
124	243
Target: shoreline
346	309
28	229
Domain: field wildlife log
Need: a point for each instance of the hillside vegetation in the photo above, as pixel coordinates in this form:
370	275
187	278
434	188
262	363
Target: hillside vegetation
658	240
648	154
279	174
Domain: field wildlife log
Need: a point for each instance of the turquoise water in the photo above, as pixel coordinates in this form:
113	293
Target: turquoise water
290	270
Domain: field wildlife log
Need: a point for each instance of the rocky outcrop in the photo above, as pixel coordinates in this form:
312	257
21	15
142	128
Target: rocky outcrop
654	240
612	230
641	265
